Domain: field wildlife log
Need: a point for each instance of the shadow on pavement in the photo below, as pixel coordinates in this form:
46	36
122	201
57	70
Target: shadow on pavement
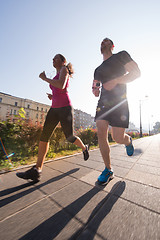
50	228
10	199
137	151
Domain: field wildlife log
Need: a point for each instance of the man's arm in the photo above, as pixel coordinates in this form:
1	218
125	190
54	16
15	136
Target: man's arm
132	72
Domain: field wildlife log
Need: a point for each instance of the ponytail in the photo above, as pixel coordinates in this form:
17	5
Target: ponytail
68	66
70	69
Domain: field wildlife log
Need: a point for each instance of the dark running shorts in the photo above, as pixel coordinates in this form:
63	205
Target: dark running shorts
118	116
63	115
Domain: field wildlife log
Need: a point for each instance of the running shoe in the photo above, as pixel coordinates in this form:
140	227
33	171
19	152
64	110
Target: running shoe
32	174
130	148
105	176
86	153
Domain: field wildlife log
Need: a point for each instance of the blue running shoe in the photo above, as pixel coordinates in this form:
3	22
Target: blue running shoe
130	148
105	176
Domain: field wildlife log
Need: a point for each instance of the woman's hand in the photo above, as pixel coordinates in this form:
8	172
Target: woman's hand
43	75
49	96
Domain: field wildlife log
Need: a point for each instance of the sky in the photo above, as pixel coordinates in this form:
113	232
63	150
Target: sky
34	31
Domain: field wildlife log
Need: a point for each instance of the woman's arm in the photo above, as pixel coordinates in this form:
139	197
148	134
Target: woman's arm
58	83
132	72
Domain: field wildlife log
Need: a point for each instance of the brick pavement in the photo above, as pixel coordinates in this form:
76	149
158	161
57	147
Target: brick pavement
68	203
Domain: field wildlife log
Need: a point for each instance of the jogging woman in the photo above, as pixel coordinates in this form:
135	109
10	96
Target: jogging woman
60	111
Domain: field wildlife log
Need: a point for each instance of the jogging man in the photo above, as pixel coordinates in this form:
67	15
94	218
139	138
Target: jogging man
111	78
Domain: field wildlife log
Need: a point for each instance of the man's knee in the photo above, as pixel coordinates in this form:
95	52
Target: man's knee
101	132
102	128
118	139
71	139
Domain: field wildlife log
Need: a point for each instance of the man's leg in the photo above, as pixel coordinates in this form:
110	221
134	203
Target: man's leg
102	132
119	136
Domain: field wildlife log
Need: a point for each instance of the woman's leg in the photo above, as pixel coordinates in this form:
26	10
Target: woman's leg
66	120
49	126
42	151
78	142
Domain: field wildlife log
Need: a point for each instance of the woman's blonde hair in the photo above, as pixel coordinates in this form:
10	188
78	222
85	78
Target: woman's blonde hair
68	66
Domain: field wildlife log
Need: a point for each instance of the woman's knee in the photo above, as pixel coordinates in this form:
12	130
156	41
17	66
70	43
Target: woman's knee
71	138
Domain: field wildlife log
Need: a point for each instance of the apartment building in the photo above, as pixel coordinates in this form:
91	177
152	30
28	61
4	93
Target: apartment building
83	120
10	105
35	111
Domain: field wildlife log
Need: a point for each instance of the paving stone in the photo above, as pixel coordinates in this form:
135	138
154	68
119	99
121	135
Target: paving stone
43	220
146	196
86	234
80	199
90	163
53	180
126	164
123	157
145	178
91	179
122	220
149	162
148	169
64	166
17	195
69	204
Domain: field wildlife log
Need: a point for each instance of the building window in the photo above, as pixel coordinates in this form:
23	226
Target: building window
28	106
46	109
11	111
0	99
41	109
37	115
14	112
37	108
16	104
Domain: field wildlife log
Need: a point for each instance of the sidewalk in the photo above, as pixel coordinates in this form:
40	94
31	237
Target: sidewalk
68	204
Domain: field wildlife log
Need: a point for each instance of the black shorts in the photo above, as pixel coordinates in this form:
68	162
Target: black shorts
63	115
117	116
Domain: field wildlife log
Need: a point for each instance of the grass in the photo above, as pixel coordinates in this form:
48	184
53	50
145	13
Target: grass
5	165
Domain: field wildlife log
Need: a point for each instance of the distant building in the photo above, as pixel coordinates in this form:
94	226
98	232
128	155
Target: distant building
35	111
10	105
83	120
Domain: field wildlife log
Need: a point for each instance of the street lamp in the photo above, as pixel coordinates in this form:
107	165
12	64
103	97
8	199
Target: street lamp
140	106
140	126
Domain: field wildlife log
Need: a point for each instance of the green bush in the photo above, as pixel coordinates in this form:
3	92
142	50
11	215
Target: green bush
22	137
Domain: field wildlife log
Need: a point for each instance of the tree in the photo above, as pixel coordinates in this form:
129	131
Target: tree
156	127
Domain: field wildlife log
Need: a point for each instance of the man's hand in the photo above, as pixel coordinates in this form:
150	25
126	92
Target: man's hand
96	88
42	76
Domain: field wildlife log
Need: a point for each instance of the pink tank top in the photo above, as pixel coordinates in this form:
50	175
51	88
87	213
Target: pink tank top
60	96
